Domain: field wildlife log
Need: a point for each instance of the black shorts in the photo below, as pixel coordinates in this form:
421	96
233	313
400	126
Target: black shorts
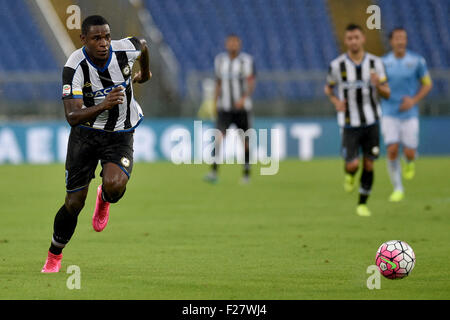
89	146
365	138
241	118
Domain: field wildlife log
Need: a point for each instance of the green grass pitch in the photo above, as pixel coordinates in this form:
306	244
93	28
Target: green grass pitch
294	235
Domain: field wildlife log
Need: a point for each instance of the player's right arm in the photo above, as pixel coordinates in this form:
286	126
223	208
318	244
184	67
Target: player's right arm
76	114
340	105
72	95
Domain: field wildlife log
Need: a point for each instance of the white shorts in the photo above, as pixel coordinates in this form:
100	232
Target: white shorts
402	131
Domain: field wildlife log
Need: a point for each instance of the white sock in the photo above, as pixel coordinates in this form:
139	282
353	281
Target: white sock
395	173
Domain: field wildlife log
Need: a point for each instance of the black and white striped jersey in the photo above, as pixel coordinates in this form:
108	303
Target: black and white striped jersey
233	74
82	79
353	84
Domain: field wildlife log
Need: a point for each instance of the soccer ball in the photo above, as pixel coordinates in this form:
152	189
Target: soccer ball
395	259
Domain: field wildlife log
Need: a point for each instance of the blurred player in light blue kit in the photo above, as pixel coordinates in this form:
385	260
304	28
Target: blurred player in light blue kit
410	82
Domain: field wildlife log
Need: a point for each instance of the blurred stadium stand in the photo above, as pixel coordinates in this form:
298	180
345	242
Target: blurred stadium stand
292	42
25	53
296	35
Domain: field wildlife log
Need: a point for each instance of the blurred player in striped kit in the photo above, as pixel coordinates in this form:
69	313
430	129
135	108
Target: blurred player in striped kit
359	78
235	84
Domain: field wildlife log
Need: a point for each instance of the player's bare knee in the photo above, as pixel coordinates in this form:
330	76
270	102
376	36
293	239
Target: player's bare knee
410	154
392	151
352	166
368	164
114	188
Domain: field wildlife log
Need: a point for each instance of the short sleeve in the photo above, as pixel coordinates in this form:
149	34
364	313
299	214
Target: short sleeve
131	45
380	70
250	70
217	67
331	76
72	83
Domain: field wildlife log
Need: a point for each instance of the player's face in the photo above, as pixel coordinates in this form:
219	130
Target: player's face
354	40
399	41
97	41
233	45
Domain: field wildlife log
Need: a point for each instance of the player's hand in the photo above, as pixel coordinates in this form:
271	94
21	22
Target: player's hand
240	104
340	105
374	79
327	90
407	103
114	97
140	78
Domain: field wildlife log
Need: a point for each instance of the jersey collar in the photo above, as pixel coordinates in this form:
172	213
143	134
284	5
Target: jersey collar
94	65
356	65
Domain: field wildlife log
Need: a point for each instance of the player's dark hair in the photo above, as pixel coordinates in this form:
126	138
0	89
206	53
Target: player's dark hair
94	20
353	26
391	34
233	35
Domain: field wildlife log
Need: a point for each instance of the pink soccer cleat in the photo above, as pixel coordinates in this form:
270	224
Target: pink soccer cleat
101	212
53	263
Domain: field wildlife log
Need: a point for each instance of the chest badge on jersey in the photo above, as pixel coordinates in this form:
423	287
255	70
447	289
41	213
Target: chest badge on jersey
375	151
125	162
126	70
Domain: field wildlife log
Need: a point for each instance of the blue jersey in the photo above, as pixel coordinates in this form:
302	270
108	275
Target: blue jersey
405	77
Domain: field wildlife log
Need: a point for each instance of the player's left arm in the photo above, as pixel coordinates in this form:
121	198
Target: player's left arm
378	79
144	62
424	90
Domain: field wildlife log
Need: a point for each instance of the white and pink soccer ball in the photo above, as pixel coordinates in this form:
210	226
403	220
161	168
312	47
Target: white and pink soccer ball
395	259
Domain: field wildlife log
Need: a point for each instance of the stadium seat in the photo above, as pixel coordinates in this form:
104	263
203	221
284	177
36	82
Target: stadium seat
297	36
24	49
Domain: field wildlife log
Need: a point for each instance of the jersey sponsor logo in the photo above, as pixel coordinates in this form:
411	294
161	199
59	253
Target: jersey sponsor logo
355	84
87	85
104	92
66	89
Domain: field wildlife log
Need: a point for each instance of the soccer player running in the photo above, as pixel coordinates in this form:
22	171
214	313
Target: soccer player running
409	82
359	78
101	109
235	83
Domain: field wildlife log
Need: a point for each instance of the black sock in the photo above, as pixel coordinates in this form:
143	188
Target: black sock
366	186
363	198
214	167
54	249
247	163
63	228
246	170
